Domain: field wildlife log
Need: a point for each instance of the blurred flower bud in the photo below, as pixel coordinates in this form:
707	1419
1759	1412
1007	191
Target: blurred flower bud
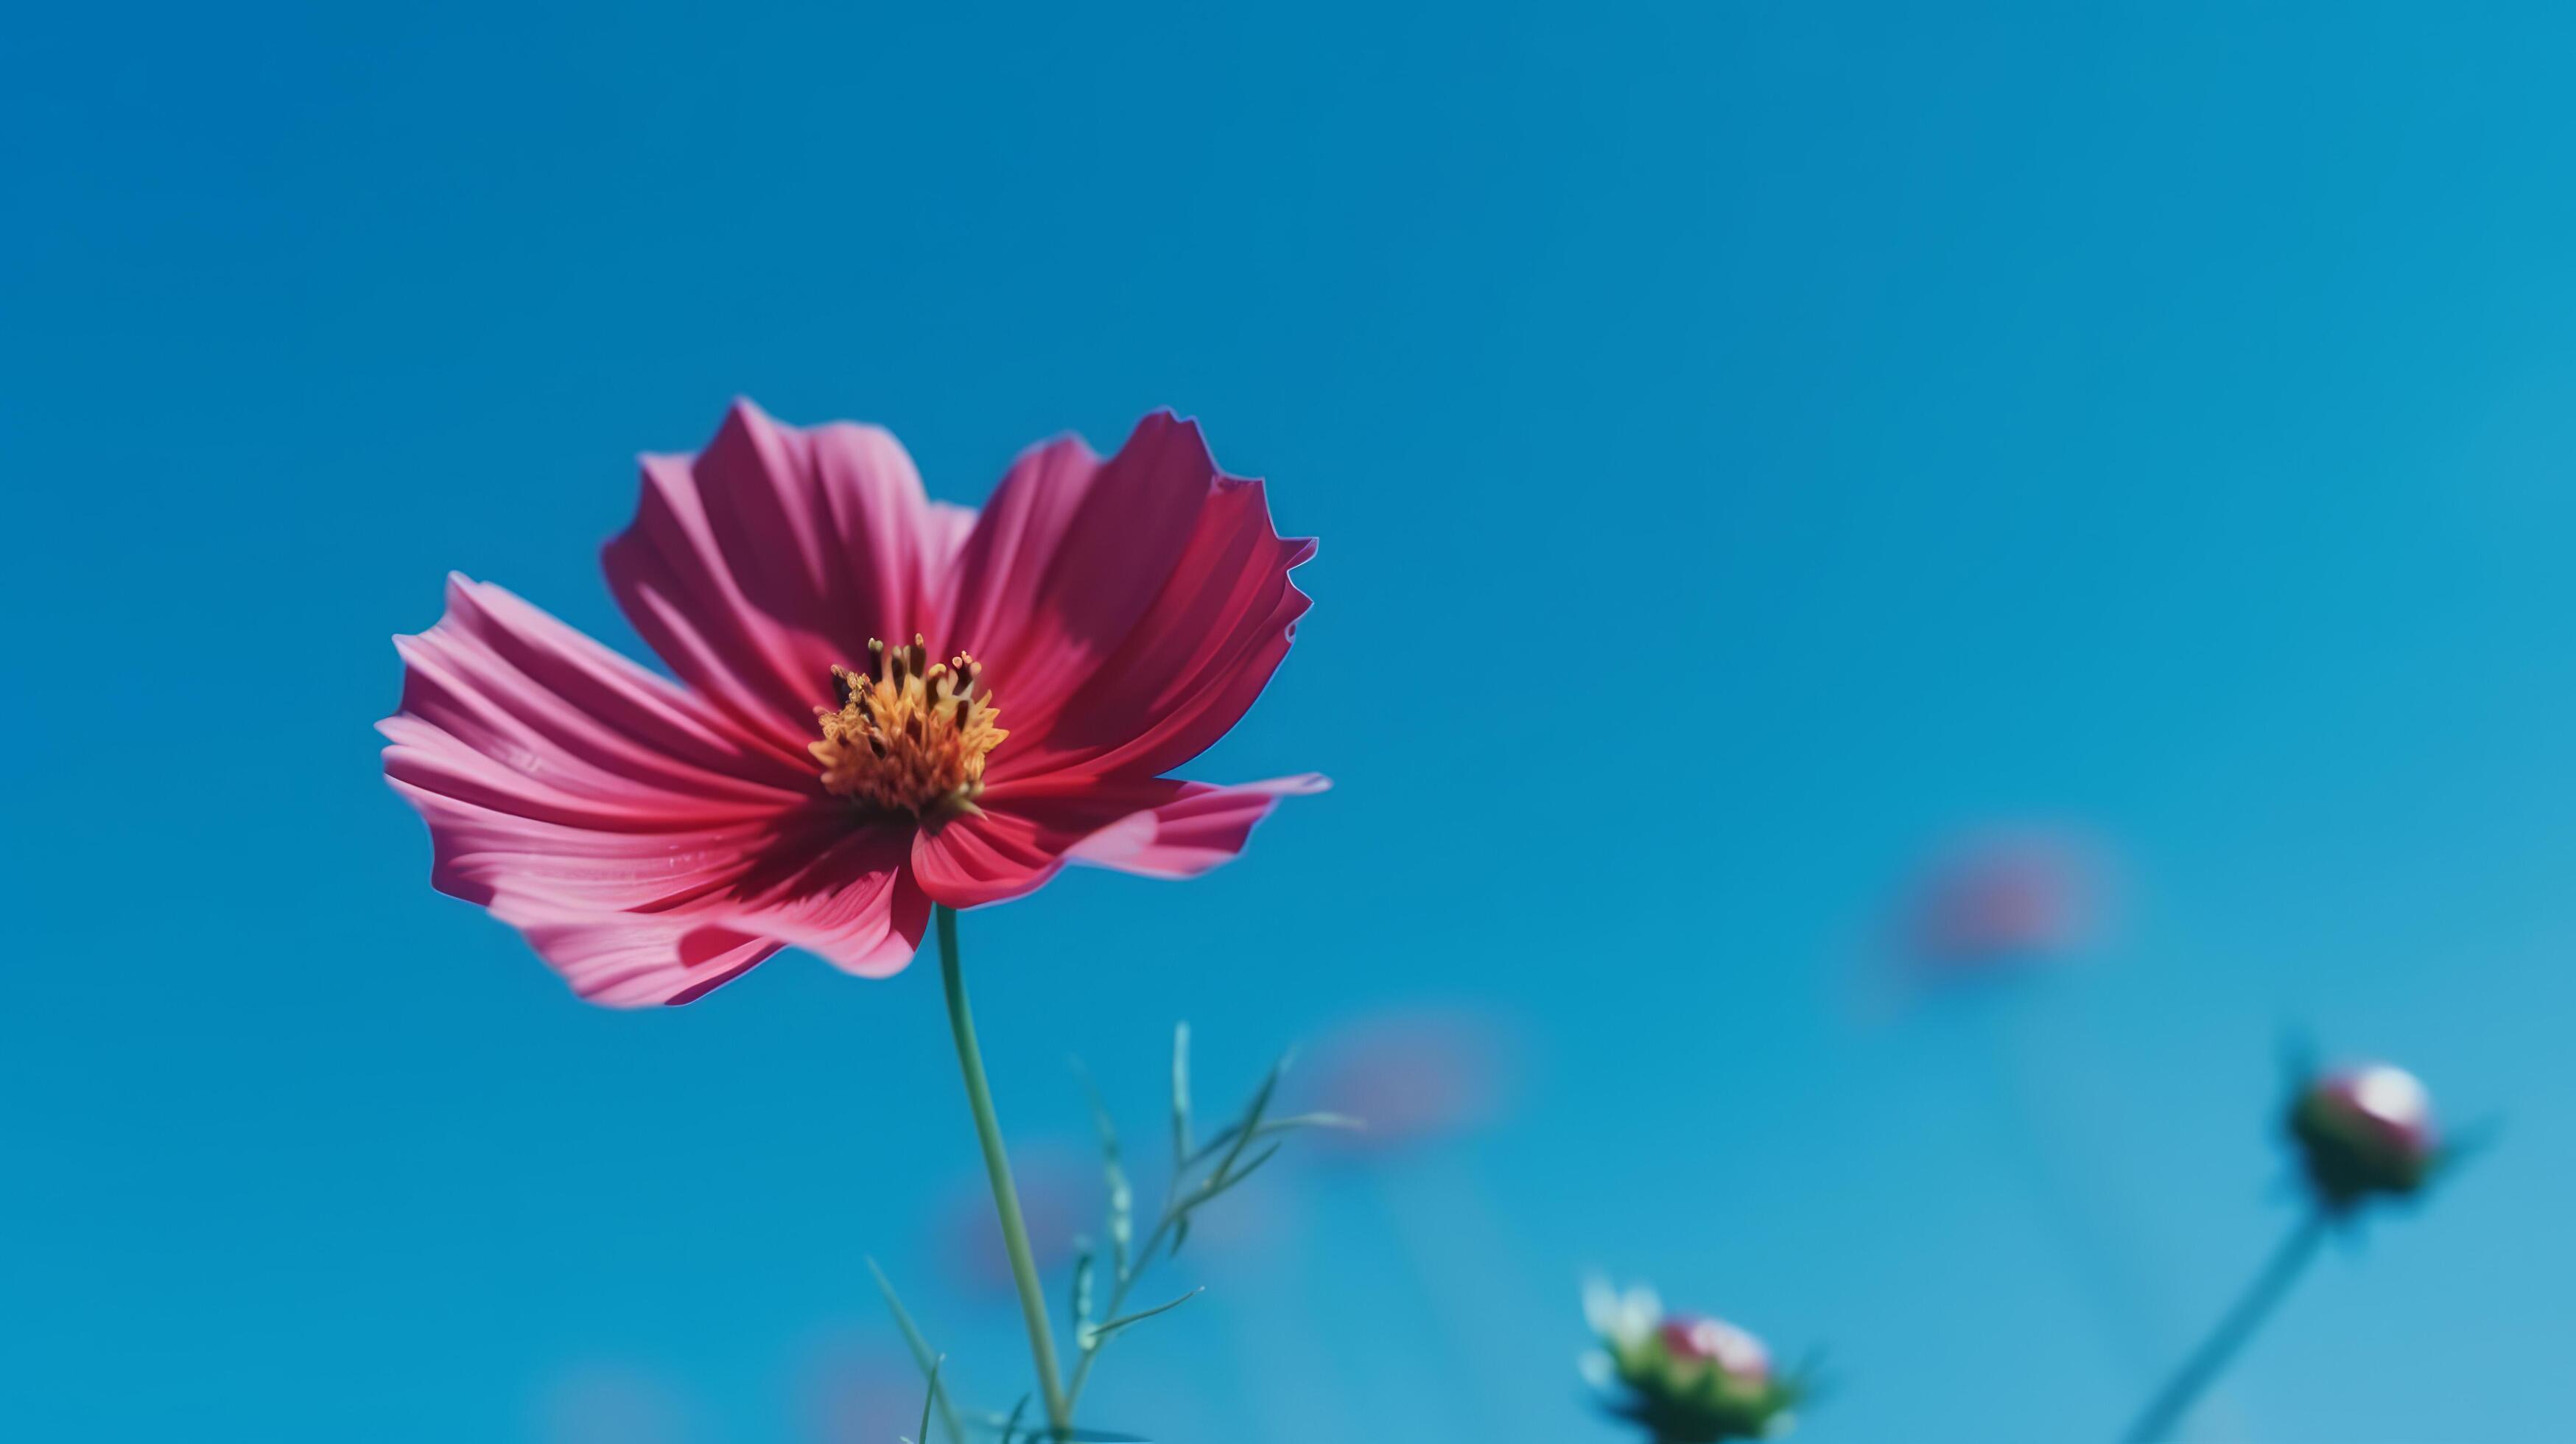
1682	1378
1718	1344
2365	1131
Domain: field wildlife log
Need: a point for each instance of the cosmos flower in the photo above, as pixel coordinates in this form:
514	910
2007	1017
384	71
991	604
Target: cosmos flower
1684	1379
2364	1131
882	702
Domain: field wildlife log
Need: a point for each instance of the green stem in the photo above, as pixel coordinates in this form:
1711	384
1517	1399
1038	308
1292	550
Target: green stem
2206	1363
997	1167
1118	1291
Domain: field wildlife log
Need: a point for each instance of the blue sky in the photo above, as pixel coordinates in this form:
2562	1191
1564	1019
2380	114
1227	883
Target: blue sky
2155	423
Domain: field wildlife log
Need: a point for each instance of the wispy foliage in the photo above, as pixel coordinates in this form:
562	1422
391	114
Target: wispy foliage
1200	1173
923	1355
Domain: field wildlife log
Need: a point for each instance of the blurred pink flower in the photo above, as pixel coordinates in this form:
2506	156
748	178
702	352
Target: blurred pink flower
813	779
1411	1077
2003	901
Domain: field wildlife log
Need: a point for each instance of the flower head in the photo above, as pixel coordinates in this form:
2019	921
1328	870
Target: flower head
2003	903
1411	1078
833	759
1685	1379
2365	1131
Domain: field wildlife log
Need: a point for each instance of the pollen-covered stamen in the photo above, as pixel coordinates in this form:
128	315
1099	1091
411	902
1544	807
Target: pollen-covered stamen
910	734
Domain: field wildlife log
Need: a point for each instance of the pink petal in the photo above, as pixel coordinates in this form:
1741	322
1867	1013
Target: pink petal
502	703
837	890
647	845
1202	826
775	553
1194	661
621	963
1069	554
1156	827
640	917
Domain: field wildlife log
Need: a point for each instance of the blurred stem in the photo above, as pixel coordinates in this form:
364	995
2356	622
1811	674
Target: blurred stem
997	1167
1118	1290
2211	1359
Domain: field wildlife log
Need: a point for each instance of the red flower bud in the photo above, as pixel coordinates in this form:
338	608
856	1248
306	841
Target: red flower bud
2365	1130
2385	1101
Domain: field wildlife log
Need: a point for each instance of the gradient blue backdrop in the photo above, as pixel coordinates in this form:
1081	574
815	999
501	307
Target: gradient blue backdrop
2162	423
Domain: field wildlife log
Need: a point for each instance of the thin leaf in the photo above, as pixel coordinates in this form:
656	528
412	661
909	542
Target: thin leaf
1219	1185
1100	1334
928	1397
1180	1098
1252	1117
1011	1426
1100	1118
1122	1197
1241	1135
988	1422
1122	1218
1277	1125
1082	1288
922	1354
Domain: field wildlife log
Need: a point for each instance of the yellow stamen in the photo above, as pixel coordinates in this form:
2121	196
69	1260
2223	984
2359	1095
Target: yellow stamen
912	737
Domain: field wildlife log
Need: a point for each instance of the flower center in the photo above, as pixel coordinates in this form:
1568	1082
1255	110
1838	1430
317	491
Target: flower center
912	737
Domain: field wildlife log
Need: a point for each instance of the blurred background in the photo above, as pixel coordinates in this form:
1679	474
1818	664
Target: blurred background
2087	496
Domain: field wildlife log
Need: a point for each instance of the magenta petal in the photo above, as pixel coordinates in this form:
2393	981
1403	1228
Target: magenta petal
621	963
1068	554
1190	667
599	906
647	845
1200	827
658	916
506	706
1157	827
755	566
838	891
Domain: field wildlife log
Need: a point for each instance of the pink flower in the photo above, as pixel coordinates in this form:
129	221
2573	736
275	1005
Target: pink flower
819	776
1716	1342
1685	1378
1998	902
1411	1077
